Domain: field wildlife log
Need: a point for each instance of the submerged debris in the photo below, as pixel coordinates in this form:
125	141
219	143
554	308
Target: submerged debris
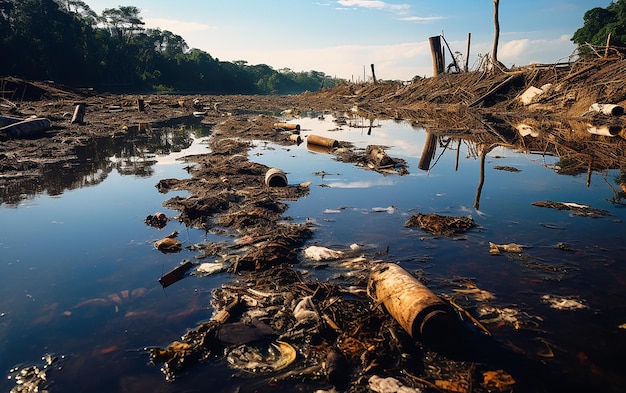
575	208
440	225
157	220
494	249
169	244
563	302
34	378
506	168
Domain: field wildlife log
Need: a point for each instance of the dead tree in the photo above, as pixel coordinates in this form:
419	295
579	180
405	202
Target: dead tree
496	32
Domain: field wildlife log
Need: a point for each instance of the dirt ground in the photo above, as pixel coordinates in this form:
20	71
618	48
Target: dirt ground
228	193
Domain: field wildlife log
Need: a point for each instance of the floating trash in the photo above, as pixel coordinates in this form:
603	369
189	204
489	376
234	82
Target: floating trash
389	385
318	253
575	208
440	225
169	244
563	303
494	249
247	358
209	268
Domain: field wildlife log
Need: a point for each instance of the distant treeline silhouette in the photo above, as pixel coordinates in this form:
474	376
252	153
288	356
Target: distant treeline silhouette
67	42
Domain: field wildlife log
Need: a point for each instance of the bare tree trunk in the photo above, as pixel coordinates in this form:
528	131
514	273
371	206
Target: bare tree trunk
608	46
469	39
496	34
373	74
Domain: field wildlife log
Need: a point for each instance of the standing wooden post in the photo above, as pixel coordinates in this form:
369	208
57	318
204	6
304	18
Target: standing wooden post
373	74
469	39
140	104
437	54
79	114
496	34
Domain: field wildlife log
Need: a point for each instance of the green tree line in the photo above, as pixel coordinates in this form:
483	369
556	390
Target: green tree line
66	41
599	23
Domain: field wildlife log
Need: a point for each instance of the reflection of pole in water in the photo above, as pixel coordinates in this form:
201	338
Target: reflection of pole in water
429	151
458	151
479	190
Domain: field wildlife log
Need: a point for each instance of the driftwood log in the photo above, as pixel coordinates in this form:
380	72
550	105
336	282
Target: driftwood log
26	128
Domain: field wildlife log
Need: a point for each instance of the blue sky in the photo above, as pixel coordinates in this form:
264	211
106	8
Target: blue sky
342	38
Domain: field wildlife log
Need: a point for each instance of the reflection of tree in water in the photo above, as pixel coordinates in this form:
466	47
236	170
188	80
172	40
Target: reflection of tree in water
130	154
577	149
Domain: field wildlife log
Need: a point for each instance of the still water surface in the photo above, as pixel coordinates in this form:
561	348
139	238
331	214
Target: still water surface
78	270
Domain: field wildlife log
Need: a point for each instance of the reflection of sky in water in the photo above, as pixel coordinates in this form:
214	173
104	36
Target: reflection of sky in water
90	242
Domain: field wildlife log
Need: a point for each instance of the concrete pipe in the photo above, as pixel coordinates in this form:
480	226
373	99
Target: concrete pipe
418	310
321	141
275	177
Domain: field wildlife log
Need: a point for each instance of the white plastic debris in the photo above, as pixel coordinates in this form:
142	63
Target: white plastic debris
530	95
388	209
305	313
322	253
209	268
389	385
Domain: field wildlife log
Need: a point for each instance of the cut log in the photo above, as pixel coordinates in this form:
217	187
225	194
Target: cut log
28	128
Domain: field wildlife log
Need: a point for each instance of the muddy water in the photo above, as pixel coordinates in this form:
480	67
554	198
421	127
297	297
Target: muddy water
78	270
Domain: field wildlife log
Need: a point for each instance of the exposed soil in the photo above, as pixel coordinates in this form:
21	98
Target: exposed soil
228	193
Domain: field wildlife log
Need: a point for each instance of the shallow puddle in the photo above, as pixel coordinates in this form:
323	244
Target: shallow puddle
78	273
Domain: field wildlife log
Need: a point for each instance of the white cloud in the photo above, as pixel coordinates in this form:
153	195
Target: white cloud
376	4
363	3
424	19
525	51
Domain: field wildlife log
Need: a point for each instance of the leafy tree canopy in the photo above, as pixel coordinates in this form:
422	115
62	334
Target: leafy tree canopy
66	41
598	24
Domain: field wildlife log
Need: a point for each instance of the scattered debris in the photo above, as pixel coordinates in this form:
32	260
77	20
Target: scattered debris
440	225
499	381
318	253
506	168
575	208
169	244
563	302
176	274
34	378
389	385
249	358
494	249
157	220
209	268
